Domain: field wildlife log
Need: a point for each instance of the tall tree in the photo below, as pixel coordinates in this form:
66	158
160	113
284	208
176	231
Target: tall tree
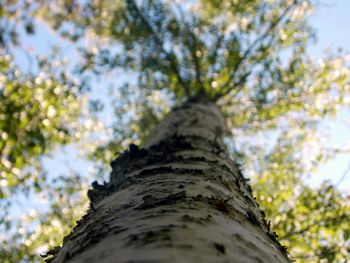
250	59
179	199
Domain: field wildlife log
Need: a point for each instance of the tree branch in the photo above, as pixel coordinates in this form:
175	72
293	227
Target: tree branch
171	57
193	49
193	45
342	178
344	216
251	48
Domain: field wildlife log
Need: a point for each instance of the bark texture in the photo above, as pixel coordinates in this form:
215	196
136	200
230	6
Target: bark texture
180	199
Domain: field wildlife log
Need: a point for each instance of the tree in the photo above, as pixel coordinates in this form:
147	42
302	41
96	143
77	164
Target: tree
181	198
251	59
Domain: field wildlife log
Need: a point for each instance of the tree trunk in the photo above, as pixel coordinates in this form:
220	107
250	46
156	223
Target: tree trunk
180	199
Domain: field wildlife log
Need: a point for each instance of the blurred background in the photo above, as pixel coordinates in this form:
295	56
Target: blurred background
81	80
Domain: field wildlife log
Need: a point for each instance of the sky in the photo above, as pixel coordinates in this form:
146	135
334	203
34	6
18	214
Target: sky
331	22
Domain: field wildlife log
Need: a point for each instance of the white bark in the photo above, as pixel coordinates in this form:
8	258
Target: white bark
181	199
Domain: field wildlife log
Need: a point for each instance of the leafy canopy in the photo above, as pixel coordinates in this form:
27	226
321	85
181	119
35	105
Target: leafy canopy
250	57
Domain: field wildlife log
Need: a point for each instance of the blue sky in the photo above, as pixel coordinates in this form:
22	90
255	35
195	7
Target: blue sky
331	22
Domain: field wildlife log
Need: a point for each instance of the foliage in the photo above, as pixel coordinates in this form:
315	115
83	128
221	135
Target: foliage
37	112
40	231
250	57
311	222
41	107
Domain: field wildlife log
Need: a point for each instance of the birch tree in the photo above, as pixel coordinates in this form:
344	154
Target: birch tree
249	61
179	199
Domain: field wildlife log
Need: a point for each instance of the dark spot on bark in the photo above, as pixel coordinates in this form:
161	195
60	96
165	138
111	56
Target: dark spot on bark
149	234
268	225
99	192
118	230
186	218
181	186
245	179
249	199
252	218
93	197
128	204
272	235
238	184
284	249
147	199
221	205
194	121
48	260
151	202
68	255
171	145
94	239
200	220
127	160
97	186
238	236
185	246
154	171
249	189
135	152
221	248
168	211
208	218
148	237
133	237
165	229
201	159
166	238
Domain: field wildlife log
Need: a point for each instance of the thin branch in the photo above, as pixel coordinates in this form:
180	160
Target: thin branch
217	46
251	48
171	57
342	178
239	83
2	148
194	45
344	216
